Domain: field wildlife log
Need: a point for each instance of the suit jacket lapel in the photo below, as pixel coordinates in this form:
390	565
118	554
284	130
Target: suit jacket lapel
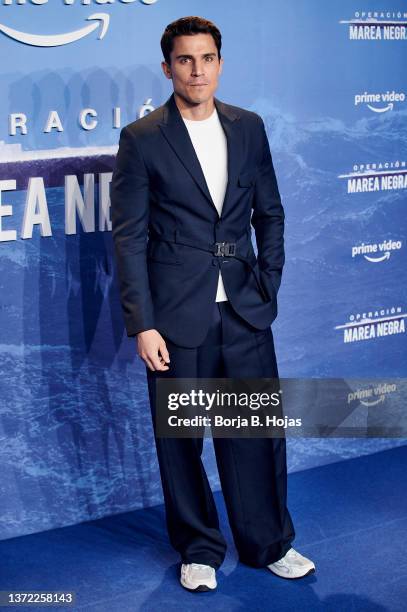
176	133
228	118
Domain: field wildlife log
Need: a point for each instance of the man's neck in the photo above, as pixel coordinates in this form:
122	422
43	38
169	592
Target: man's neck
195	112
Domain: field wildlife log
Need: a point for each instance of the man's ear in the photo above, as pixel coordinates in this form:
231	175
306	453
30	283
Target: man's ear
166	70
220	65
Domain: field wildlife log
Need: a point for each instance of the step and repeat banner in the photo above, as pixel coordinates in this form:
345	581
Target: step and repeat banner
329	80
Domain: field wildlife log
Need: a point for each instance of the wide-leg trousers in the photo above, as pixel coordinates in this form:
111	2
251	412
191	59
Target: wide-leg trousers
252	471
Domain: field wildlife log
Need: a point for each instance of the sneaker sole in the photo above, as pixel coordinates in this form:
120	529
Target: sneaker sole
199	589
311	571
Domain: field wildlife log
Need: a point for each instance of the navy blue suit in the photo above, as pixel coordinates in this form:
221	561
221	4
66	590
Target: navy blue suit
158	189
169	248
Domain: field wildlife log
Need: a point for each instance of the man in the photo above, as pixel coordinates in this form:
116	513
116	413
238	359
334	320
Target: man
189	179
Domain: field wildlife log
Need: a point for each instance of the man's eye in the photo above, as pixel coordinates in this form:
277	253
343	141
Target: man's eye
209	59
184	60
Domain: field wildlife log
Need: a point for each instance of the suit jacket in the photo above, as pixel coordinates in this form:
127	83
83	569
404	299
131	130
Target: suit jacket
165	223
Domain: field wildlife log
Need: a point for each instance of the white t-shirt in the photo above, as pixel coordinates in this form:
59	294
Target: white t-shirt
210	145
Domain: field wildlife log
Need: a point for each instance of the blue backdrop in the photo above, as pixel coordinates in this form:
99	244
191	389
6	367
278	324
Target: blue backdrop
75	433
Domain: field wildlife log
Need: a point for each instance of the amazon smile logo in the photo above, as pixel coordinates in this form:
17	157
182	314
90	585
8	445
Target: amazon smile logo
379	102
376	252
100	22
373	395
57	40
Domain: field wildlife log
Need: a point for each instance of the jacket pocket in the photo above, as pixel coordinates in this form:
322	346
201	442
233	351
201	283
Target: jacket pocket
263	290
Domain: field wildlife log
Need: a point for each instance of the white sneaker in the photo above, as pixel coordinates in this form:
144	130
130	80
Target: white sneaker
292	565
198	577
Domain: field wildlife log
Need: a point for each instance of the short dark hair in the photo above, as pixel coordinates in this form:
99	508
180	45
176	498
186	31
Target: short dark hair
186	26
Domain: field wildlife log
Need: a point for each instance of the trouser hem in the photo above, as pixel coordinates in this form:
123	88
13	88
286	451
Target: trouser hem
272	559
215	564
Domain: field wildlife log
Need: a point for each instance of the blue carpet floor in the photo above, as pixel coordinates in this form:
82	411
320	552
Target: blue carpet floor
350	518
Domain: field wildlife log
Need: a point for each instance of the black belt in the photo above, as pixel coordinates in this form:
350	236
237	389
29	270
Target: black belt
218	249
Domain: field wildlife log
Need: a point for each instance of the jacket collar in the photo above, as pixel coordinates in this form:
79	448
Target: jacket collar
176	133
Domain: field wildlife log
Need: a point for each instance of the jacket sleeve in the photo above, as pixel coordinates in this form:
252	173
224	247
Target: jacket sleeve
129	199
268	220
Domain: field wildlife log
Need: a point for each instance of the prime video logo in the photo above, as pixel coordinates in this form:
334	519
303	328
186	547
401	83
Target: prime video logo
374	101
100	22
376	252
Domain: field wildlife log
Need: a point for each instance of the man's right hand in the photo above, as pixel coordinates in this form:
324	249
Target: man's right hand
152	349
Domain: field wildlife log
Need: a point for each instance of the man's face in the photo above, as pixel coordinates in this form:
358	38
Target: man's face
194	68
